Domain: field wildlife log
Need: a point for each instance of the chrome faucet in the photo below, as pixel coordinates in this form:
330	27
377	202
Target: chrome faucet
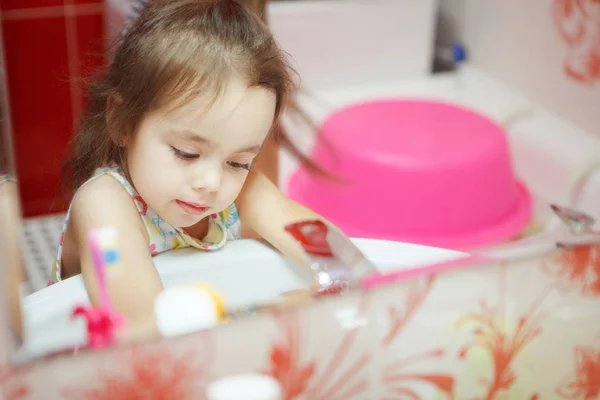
580	226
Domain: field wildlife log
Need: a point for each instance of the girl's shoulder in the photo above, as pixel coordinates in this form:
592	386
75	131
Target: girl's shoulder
101	202
101	192
106	181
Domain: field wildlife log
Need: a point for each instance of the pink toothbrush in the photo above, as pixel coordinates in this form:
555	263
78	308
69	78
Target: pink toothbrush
102	321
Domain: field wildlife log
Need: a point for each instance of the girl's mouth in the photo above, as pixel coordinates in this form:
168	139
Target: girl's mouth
192	208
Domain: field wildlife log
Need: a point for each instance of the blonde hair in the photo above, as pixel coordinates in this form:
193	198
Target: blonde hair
174	51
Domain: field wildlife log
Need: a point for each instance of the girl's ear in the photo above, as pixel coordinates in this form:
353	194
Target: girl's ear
114	129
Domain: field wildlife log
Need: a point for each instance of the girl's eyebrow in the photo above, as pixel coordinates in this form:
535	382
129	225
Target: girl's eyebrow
194	137
251	149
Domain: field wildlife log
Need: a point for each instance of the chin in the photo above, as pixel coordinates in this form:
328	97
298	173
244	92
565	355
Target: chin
181	221
188	221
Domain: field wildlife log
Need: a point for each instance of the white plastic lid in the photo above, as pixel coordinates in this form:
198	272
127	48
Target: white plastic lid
244	387
181	310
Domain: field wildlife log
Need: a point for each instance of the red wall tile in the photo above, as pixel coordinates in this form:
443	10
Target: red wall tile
40	100
82	1
39	53
90	46
16	4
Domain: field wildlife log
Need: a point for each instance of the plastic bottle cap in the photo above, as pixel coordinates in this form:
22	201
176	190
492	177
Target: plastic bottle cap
181	310
244	387
459	53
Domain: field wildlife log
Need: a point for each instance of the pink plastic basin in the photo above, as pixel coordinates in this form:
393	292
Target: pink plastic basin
415	171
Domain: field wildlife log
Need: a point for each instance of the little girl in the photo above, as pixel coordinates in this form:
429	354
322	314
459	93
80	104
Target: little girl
166	148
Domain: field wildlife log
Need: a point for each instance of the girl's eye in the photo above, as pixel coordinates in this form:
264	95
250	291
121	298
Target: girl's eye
183	155
239	166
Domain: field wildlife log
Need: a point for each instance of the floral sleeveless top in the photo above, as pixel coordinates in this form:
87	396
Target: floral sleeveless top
223	226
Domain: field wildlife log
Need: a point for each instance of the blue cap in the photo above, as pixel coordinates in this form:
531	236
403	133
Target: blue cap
459	54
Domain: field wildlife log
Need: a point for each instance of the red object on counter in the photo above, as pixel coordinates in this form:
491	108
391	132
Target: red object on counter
312	235
334	271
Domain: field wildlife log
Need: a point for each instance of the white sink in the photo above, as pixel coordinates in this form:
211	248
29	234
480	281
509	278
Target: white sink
244	272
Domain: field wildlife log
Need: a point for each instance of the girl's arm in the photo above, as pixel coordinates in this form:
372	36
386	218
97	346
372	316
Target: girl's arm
265	210
135	286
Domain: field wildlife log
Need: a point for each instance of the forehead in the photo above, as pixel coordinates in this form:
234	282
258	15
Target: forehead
239	115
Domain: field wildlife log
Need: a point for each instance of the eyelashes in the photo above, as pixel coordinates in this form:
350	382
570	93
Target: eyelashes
239	166
185	156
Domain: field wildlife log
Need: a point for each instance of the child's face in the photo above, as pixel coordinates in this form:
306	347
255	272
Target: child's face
192	162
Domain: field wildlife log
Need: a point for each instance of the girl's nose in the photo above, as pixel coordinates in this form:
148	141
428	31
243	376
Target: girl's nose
208	178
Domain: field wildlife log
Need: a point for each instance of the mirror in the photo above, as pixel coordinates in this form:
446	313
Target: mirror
219	281
427	323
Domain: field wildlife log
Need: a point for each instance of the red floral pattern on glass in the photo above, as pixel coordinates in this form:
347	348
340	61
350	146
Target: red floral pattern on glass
576	267
578	23
398	382
584	383
414	299
354	360
149	374
286	366
301	378
490	333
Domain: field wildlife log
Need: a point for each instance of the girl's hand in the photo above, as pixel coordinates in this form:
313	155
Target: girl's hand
265	210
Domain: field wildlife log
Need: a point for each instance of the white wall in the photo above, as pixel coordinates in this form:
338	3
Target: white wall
340	42
519	42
